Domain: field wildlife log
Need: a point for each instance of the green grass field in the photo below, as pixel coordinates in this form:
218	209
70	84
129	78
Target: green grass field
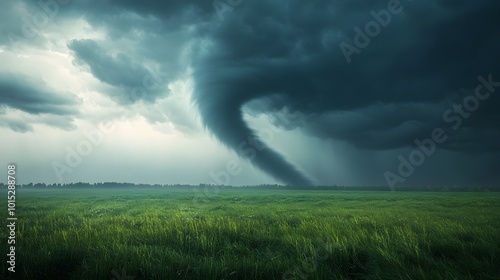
253	234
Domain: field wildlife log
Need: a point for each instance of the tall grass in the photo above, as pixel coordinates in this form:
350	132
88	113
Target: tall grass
253	234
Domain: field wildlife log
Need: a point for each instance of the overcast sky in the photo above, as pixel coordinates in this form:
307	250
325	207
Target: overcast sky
248	92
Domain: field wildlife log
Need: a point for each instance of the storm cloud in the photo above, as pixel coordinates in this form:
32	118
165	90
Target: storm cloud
411	67
132	80
21	92
33	97
395	91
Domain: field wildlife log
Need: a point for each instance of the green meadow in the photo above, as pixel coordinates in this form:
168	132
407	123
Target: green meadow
177	233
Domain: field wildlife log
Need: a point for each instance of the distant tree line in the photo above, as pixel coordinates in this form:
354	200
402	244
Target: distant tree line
108	185
83	185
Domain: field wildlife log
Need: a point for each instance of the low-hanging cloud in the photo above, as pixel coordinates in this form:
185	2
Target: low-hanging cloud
33	98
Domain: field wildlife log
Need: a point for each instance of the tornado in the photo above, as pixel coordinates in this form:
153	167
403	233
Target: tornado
219	95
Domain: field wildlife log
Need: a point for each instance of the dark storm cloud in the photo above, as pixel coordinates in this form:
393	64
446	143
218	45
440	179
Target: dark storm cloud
373	127
394	91
174	11
132	79
15	125
280	51
33	96
288	55
158	19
